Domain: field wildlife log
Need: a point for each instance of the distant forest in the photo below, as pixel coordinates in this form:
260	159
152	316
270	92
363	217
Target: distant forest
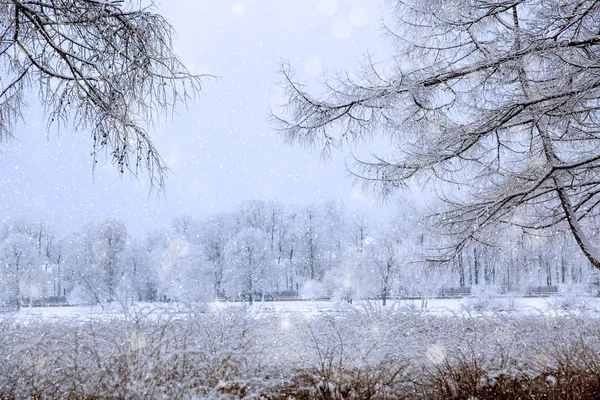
266	250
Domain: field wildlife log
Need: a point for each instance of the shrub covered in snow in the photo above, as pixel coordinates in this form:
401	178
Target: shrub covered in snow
367	353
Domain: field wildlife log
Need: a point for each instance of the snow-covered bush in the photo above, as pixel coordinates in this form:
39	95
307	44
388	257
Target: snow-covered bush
359	353
313	290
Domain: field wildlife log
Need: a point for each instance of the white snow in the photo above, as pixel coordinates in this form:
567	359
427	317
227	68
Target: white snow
464	307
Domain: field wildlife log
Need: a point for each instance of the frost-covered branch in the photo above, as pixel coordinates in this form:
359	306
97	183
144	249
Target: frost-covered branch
464	112
105	67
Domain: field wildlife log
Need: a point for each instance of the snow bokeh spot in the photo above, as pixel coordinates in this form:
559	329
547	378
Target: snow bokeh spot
347	283
238	8
179	247
436	354
342	29
328	7
358	16
313	66
33	290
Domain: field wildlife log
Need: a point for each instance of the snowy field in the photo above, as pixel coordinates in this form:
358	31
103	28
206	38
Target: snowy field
481	347
518	306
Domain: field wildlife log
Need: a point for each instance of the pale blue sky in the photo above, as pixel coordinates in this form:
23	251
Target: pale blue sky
221	150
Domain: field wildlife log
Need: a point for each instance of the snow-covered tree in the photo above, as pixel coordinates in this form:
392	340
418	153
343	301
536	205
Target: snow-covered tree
253	214
48	251
286	249
359	231
310	267
499	98
93	261
187	227
248	269
105	66
215	232
139	275
385	256
351	279
21	274
109	243
183	272
332	227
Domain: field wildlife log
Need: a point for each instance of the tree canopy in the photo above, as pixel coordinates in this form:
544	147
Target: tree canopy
496	100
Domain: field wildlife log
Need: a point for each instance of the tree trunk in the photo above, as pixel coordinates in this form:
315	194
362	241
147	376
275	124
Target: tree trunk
476	265
461	271
563	268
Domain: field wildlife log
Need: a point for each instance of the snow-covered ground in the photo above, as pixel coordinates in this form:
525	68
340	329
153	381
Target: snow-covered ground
518	347
557	305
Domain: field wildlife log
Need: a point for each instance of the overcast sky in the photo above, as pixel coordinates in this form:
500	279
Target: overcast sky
222	150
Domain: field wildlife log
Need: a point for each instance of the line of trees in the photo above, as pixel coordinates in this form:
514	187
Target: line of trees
267	248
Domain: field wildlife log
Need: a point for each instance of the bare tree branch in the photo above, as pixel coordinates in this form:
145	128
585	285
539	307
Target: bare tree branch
105	67
501	106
